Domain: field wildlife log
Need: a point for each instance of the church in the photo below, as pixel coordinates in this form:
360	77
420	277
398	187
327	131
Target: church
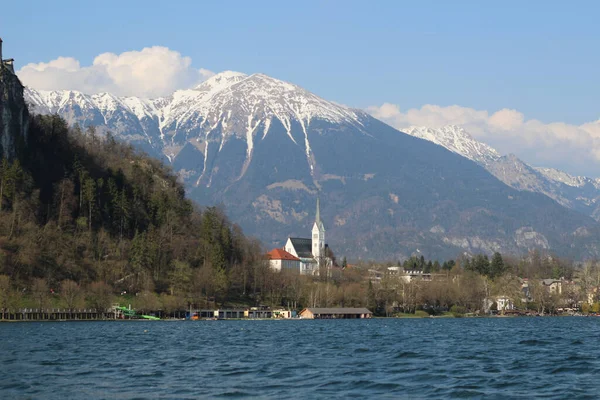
309	253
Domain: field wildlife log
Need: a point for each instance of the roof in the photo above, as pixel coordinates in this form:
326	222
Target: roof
303	247
280	254
549	282
339	310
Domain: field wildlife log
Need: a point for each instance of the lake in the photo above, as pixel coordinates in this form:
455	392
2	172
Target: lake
377	358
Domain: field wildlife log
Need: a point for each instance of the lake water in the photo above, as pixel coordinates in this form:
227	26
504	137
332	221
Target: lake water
378	358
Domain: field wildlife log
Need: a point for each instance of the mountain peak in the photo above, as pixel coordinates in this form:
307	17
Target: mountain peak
457	140
220	81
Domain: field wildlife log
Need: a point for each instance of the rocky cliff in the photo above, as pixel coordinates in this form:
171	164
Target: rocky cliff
14	116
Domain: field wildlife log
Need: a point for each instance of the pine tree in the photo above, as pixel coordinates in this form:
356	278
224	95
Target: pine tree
497	266
371	299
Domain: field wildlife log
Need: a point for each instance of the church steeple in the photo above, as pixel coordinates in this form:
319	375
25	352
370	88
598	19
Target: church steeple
318	213
318	233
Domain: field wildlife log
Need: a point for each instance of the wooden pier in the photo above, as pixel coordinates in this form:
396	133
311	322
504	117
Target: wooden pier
32	314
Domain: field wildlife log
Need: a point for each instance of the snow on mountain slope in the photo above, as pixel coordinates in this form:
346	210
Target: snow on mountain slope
577	192
457	140
563	177
226	107
235	101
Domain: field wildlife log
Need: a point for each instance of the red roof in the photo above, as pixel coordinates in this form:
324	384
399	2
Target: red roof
280	254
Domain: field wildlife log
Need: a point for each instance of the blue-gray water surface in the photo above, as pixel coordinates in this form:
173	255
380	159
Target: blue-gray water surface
378	358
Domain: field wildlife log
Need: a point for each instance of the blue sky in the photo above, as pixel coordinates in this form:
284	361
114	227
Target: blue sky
538	57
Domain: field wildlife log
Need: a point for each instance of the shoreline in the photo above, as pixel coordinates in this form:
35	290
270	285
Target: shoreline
288	319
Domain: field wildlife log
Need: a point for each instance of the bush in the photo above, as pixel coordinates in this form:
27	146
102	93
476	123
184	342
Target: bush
458	311
585	308
421	313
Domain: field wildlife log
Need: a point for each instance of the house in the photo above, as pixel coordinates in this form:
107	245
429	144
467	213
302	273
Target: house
504	303
312	251
282	314
280	259
394	270
592	295
553	286
335	313
302	249
411	275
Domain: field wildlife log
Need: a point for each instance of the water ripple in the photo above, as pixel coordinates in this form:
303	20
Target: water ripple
382	358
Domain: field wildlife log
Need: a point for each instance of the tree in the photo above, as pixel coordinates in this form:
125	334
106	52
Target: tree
497	266
40	292
147	301
65	202
371	300
70	292
180	278
4	168
89	195
5	294
99	296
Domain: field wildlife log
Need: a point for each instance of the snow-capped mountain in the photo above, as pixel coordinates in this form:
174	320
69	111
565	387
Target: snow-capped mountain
576	192
229	105
264	148
457	140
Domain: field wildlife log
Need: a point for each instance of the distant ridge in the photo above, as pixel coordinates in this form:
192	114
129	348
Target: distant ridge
576	192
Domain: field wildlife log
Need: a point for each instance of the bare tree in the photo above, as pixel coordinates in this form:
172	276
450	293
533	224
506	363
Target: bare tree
5	294
70	292
99	296
40	292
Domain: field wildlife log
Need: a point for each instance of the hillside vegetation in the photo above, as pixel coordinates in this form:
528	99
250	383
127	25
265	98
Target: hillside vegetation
87	211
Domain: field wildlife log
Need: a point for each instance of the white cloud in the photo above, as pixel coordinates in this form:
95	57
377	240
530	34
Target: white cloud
573	148
151	72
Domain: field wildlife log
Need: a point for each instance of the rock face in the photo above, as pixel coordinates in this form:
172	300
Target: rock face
264	148
14	117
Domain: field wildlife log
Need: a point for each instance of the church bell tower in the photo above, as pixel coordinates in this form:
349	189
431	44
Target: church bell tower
318	235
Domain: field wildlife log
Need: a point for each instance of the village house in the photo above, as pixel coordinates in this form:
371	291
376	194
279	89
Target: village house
592	295
280	259
503	303
554	286
411	275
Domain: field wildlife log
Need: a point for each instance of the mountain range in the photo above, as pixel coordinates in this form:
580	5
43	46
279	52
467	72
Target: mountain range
576	192
265	149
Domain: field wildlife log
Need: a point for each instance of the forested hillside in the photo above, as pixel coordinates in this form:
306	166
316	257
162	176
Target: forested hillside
84	210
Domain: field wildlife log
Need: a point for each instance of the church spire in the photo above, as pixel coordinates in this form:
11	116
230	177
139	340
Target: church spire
318	214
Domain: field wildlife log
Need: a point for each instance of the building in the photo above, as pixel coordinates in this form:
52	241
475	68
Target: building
335	313
301	248
280	259
553	286
312	251
504	303
252	313
283	314
412	275
8	63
